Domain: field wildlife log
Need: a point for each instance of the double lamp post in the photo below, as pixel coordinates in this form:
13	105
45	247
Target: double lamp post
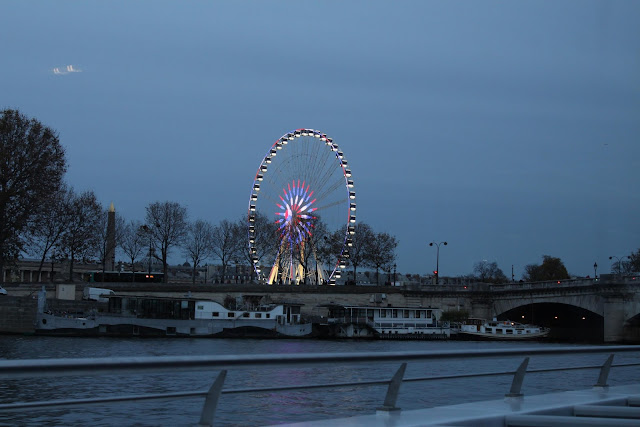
436	272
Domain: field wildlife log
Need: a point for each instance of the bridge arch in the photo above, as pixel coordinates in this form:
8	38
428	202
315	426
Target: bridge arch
589	302
566	322
631	329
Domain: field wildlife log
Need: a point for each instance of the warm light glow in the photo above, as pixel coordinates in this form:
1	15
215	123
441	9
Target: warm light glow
555	317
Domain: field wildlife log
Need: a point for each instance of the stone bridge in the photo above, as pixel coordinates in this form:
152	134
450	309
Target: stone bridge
616	300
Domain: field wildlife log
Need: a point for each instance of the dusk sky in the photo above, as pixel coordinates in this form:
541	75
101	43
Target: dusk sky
510	129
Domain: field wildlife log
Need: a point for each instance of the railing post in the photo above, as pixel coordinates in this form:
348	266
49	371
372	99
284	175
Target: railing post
392	392
604	372
211	401
518	378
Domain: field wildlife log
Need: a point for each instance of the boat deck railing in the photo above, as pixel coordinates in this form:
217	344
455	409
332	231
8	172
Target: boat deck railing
38	368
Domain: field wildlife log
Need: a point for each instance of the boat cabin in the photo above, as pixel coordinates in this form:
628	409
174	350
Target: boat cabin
191	308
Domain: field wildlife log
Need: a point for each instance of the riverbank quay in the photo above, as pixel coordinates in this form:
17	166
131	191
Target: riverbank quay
582	310
289	388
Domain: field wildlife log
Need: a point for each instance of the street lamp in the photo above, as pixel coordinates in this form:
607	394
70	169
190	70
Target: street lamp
437	245
148	231
619	262
595	271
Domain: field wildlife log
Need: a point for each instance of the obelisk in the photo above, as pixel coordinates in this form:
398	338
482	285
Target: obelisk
110	255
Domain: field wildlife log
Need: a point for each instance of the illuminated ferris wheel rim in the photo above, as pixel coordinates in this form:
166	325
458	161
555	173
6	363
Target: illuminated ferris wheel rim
278	145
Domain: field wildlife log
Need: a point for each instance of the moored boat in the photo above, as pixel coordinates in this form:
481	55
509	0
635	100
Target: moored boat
475	328
347	321
131	315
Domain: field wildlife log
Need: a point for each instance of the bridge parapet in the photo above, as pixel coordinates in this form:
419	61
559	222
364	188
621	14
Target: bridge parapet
570	283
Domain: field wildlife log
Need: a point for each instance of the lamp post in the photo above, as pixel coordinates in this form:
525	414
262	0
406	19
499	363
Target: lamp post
148	231
595	271
437	245
619	262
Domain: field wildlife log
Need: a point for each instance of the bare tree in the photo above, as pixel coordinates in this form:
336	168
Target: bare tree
309	249
381	252
197	245
265	236
634	261
552	268
167	223
48	225
358	246
489	272
32	165
133	241
80	240
224	244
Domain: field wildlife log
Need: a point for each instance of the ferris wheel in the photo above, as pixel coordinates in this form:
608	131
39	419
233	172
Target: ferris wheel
302	211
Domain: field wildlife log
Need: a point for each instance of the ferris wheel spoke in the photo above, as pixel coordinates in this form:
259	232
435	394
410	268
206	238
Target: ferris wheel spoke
336	203
331	189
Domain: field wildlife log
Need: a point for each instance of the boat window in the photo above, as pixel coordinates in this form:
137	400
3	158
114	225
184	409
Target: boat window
258	315
395	313
498	331
383	313
510	331
215	314
488	329
267	315
406	313
429	314
201	307
245	314
230	314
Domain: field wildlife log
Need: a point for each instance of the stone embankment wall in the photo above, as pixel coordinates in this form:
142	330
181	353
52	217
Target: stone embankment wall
18	309
17	314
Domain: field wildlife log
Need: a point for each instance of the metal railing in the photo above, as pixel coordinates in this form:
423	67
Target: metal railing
37	368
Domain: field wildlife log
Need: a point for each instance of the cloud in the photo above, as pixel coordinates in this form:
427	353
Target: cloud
66	70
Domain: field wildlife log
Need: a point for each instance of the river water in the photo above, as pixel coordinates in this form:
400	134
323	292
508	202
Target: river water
274	407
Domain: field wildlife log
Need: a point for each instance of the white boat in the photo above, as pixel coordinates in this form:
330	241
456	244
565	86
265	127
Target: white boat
475	328
347	321
130	315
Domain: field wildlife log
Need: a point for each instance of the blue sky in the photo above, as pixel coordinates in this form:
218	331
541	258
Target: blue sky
509	129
